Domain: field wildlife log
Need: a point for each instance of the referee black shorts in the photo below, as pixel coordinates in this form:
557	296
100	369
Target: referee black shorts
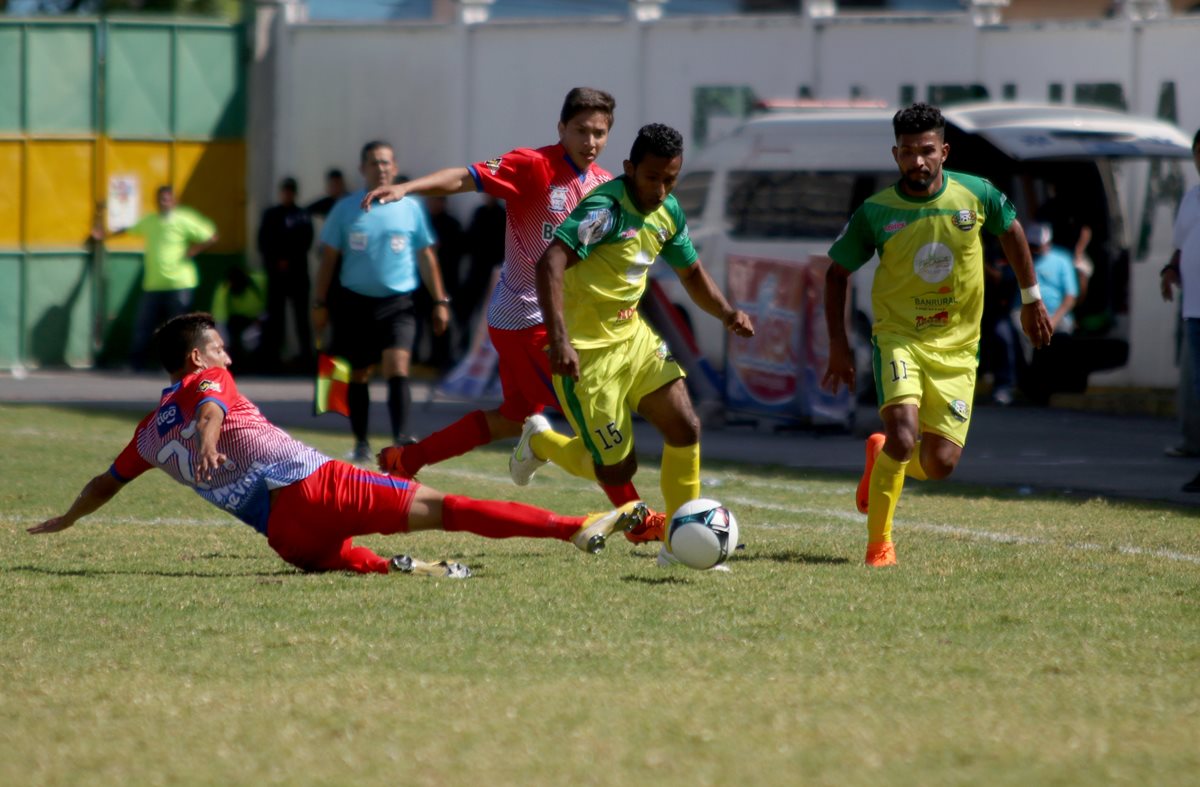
363	327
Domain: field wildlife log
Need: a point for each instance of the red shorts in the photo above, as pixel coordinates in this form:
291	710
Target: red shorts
312	519
524	371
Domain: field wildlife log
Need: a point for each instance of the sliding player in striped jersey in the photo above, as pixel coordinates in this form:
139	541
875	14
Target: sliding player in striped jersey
210	438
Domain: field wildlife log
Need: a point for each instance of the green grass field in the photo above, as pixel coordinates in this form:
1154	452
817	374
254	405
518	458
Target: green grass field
1022	640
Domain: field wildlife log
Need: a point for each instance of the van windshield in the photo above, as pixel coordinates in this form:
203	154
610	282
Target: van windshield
782	204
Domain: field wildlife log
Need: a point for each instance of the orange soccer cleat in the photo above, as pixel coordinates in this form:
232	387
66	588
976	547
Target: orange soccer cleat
391	461
881	554
862	497
649	530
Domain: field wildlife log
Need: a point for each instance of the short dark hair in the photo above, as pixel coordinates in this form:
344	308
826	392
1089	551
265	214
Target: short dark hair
917	119
371	147
334	173
180	335
167	189
587	99
289	184
656	139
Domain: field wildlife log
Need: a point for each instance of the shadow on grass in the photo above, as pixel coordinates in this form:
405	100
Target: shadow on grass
793	556
94	572
655	580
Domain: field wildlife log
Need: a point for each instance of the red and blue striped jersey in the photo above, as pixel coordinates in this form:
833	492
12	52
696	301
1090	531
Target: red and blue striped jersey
260	455
540	188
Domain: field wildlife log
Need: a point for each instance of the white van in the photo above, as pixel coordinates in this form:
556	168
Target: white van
781	187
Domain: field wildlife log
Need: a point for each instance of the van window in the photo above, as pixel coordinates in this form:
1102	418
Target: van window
793	204
690	192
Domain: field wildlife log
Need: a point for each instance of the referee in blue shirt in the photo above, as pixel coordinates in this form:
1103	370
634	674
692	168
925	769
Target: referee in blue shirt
383	256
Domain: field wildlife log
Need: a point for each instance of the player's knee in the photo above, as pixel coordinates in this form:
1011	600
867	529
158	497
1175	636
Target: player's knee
940	464
900	445
620	473
685	431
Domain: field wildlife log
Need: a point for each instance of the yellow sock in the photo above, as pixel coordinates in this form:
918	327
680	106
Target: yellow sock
887	479
680	475
569	453
914	468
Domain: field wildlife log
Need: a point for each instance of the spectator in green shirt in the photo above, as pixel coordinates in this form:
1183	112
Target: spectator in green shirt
174	235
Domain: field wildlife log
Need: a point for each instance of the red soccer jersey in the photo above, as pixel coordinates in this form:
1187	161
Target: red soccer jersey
540	187
261	456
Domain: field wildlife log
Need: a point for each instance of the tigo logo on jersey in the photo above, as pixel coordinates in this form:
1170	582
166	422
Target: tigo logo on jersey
167	418
209	385
964	220
558	199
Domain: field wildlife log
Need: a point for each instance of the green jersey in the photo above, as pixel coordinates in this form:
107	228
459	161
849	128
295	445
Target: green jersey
616	244
168	238
929	286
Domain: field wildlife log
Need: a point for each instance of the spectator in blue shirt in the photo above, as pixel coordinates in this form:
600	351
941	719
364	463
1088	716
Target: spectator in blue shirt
380	258
1056	366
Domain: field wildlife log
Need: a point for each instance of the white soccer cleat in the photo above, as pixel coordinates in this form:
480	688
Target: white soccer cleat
593	534
524	463
666	560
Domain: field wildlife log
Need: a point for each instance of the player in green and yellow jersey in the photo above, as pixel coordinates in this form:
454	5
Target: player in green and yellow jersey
607	362
928	300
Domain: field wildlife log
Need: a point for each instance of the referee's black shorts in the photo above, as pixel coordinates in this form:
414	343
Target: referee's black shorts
363	327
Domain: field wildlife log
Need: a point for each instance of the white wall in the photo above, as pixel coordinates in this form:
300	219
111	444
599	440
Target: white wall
447	95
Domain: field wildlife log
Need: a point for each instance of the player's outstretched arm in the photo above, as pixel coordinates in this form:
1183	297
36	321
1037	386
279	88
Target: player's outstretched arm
98	491
443	183
1035	322
840	370
553	263
208	433
704	293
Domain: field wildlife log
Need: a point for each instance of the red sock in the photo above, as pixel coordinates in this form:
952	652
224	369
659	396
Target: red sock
620	495
496	519
468	432
352	558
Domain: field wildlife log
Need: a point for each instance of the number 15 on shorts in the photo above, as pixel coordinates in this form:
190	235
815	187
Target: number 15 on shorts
610	436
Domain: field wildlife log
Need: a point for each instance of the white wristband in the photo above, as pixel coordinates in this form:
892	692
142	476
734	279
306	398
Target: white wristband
1030	295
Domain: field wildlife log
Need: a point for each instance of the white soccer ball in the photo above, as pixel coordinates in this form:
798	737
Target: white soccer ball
702	534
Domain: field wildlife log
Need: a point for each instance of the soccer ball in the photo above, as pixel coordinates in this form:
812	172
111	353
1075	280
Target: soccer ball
702	534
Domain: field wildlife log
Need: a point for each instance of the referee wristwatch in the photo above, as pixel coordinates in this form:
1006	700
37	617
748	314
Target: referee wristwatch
442	301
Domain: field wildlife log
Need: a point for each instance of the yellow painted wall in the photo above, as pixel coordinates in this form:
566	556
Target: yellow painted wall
150	163
210	177
10	193
59	200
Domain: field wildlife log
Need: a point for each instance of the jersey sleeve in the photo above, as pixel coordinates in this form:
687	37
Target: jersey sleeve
423	234
199	228
679	251
1000	211
213	385
510	176
593	221
333	232
856	245
129	464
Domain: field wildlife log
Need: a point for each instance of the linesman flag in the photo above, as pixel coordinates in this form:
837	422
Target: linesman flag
331	392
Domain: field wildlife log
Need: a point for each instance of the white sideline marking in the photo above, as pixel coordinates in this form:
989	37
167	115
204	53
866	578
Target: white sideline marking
966	532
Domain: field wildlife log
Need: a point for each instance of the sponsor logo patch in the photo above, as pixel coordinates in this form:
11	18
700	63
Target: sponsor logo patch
965	220
937	300
493	164
933	262
209	385
558	199
595	226
357	241
939	320
398	243
960	409
166	419
629	233
895	226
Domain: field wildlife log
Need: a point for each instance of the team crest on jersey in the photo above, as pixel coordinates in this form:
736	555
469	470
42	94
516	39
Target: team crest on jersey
493	164
661	232
595	226
964	220
398	243
960	409
167	418
209	385
663	353
558	199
